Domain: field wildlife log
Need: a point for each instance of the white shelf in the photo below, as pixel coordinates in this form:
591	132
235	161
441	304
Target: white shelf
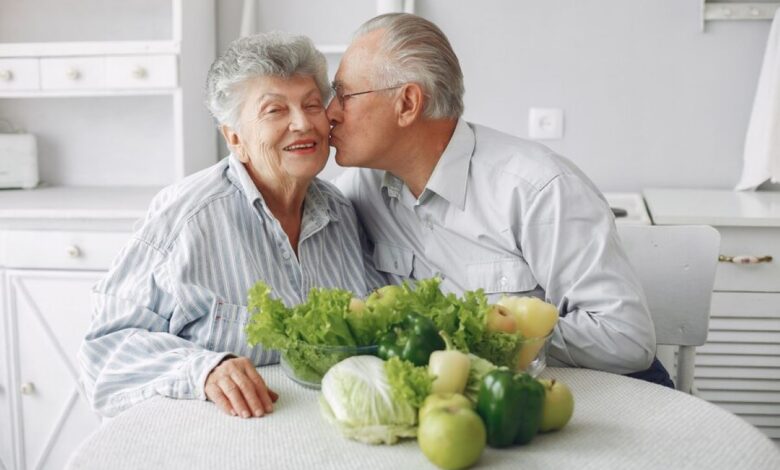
714	207
739	11
86	93
65	49
64	206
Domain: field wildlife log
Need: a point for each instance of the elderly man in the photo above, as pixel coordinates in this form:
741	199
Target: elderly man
441	196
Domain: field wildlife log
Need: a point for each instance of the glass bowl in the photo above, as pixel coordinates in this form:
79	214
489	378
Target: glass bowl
305	364
532	355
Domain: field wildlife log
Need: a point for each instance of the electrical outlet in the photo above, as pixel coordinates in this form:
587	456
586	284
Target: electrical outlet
545	123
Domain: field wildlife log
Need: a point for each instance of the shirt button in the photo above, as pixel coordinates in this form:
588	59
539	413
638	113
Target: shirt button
503	280
286	254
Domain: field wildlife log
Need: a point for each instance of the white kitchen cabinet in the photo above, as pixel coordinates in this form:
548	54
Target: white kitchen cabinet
50	257
739	366
49	311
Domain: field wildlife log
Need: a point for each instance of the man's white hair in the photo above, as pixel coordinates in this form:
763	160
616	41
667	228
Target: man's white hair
413	49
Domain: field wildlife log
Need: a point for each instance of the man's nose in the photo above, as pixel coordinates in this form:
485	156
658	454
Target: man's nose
333	112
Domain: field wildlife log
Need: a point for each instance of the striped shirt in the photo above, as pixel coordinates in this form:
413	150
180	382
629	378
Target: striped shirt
173	304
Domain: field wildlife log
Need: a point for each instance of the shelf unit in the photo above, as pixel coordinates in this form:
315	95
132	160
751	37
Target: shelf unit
172	70
118	112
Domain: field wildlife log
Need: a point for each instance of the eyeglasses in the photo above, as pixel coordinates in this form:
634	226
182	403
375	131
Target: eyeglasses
342	97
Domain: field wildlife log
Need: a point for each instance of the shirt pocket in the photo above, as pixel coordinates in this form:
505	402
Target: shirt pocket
228	333
509	276
393	259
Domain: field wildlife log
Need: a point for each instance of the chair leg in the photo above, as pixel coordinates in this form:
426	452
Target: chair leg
686	357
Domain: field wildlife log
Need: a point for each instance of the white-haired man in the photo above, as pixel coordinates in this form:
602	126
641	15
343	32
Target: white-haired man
440	196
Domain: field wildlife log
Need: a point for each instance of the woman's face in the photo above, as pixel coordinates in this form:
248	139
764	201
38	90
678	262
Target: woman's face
283	133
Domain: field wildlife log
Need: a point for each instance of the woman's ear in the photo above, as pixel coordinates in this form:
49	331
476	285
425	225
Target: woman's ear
410	103
233	141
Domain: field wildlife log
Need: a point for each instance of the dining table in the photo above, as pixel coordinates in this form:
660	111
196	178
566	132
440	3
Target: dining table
618	422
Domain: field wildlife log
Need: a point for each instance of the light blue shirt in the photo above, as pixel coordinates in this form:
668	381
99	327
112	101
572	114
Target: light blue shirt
511	217
173	304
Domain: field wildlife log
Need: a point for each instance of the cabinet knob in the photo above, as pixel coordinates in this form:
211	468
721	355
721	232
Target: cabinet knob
73	74
140	73
6	75
745	259
74	251
27	388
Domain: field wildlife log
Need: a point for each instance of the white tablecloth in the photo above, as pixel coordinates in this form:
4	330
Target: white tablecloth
618	423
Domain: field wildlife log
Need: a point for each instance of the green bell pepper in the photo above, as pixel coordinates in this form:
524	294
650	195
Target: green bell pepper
511	406
414	339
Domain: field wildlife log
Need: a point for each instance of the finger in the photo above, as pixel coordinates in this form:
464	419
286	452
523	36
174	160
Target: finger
233	393
250	392
214	393
262	389
274	395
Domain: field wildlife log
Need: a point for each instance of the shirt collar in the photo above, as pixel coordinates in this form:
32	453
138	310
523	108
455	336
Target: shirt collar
450	175
315	205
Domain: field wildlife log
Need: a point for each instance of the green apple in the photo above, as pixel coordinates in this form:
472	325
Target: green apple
501	319
357	305
385	296
435	401
558	405
452	437
535	318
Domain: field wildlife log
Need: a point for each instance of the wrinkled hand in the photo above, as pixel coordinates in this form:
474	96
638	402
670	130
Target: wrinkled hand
238	390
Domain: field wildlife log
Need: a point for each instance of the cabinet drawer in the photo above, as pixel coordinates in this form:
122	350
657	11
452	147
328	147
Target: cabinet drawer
62	250
754	241
19	74
148	71
72	73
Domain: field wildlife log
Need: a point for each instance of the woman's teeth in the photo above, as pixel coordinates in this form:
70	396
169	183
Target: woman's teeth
299	146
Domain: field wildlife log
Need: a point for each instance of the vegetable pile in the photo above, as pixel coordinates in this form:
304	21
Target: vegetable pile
448	370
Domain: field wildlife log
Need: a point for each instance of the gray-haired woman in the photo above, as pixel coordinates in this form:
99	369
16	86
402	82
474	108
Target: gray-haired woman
169	317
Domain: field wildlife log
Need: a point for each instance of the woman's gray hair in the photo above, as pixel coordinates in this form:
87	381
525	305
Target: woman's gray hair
416	50
273	54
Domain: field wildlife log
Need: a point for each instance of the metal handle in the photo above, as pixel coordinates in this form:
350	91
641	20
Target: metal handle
6	75
27	388
140	73
74	251
73	74
745	259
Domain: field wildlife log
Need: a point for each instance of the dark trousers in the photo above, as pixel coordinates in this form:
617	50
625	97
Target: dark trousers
656	374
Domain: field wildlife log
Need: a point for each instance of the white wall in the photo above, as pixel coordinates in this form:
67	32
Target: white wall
649	100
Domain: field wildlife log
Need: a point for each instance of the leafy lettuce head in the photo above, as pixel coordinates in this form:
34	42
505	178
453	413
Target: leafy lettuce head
374	401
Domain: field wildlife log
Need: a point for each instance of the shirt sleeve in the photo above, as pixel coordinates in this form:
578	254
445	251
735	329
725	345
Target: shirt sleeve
570	241
132	351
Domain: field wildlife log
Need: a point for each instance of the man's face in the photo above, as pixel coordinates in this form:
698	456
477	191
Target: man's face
364	126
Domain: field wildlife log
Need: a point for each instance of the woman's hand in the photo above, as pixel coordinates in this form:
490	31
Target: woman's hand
238	390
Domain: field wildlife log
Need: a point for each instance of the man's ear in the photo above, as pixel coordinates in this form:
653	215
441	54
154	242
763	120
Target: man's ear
410	104
233	141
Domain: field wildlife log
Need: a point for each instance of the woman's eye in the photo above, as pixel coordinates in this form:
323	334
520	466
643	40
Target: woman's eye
314	106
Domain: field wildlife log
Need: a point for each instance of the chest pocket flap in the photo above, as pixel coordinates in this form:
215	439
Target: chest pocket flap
393	259
506	275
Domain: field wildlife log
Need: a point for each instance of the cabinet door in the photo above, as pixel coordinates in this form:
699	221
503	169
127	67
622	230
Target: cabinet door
49	314
6	444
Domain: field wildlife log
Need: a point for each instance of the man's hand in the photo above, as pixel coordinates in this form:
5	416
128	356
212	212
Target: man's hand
238	390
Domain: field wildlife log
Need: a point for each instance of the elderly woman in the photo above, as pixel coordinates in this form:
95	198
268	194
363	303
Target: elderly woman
170	315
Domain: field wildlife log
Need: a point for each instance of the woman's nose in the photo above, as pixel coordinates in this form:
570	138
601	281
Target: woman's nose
300	121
